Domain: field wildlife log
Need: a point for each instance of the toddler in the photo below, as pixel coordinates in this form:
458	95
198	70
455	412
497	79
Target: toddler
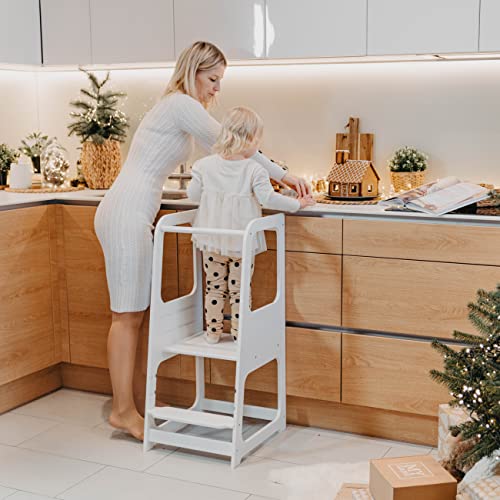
230	188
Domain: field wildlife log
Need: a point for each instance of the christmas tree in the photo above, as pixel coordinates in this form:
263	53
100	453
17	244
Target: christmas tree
98	119
473	377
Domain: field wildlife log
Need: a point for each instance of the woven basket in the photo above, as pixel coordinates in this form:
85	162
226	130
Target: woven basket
402	181
101	163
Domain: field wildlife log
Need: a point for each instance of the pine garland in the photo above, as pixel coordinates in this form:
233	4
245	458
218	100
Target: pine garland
473	377
98	118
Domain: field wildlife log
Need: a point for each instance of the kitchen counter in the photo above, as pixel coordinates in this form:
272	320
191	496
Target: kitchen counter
90	197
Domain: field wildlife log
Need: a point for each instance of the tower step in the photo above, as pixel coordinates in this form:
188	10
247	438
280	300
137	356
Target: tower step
192	417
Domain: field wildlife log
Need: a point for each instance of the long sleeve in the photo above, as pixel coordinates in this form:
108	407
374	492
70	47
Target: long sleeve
194	119
266	196
195	186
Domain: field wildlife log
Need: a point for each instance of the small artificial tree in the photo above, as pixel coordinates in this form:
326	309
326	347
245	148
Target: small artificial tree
473	377
98	118
408	159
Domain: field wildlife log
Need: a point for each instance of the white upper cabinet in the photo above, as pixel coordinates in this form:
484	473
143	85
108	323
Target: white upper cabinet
236	26
20	32
129	31
66	31
489	39
315	28
422	26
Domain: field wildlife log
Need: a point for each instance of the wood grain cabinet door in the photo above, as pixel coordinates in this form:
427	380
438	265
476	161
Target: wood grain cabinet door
313	286
406	296
27	337
88	297
310	234
312	367
392	374
418	241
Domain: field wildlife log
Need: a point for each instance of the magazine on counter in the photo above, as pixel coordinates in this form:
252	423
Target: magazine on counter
438	197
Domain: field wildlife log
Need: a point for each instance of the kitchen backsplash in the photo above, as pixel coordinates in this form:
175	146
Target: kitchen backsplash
449	110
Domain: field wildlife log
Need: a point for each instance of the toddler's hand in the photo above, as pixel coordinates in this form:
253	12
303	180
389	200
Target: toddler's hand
307	201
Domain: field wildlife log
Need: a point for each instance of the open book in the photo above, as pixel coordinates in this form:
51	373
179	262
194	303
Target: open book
438	197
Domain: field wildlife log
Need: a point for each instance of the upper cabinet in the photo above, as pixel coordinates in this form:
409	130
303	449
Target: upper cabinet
489	39
66	31
237	27
128	31
20	32
422	26
315	28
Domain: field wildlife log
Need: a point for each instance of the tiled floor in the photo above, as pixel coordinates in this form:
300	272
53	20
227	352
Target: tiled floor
61	446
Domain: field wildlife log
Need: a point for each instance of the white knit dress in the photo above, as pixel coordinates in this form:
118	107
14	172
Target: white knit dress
124	218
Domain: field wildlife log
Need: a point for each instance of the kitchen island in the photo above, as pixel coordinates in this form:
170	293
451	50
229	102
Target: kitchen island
366	292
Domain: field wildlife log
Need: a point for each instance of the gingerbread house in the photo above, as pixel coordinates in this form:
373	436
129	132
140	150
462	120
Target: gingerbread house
353	179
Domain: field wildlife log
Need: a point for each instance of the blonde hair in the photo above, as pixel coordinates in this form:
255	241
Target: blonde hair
200	56
241	127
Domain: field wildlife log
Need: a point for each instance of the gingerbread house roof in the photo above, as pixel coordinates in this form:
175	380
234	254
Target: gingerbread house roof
350	171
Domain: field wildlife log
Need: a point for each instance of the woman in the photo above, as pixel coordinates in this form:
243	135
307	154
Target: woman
124	219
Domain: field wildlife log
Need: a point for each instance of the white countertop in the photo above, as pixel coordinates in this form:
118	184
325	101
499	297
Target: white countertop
92	197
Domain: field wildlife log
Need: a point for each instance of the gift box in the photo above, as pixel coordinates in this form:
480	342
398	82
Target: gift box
354	492
411	478
448	417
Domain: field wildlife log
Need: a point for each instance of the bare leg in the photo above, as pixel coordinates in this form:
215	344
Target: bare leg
122	346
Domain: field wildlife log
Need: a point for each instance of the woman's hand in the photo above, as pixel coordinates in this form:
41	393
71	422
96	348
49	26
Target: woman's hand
298	184
307	201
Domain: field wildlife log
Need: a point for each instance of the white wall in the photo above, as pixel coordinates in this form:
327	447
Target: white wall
450	110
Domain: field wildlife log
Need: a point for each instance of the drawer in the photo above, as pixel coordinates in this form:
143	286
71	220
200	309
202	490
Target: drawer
433	242
392	374
313	286
312	367
407	296
310	234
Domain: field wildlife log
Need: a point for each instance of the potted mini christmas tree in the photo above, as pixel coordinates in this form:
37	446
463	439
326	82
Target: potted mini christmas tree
472	375
407	167
101	127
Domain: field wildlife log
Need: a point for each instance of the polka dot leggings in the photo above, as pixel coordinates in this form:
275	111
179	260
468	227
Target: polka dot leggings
223	281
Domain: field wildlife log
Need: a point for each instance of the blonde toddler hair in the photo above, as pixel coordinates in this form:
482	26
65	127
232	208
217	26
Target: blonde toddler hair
200	56
240	128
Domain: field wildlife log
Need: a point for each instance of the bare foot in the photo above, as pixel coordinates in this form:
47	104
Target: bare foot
129	421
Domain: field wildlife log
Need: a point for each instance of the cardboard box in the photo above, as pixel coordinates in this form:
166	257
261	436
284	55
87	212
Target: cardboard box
411	478
354	492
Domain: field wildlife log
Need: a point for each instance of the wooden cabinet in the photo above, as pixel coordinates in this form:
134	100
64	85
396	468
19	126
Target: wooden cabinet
315	28
423	27
405	296
313	286
392	374
127	31
27	337
312	367
236	27
489	40
20	32
66	31
417	241
310	234
88	298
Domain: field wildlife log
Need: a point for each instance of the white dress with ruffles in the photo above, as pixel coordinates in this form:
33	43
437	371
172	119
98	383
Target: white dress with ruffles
230	194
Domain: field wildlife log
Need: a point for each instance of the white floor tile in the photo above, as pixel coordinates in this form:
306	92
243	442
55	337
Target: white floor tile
15	428
41	473
73	407
407	450
5	492
102	445
250	477
21	495
434	453
112	483
301	447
